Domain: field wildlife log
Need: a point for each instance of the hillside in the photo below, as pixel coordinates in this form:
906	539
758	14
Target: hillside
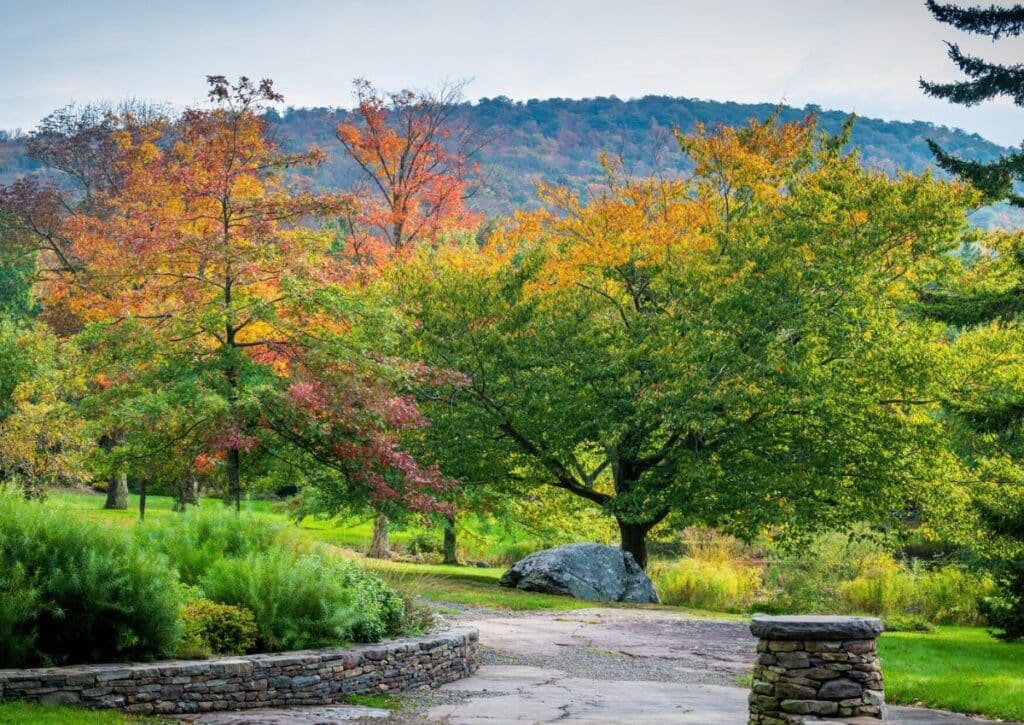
559	140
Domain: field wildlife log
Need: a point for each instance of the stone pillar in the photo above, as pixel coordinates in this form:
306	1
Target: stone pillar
812	668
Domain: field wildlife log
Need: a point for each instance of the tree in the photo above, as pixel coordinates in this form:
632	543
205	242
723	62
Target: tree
77	147
984	81
984	303
730	349
216	331
414	160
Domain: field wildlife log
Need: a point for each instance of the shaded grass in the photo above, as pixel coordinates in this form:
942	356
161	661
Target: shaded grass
23	713
956	668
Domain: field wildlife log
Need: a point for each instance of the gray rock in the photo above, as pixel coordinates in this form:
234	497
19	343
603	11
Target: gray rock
841	689
593	572
808	627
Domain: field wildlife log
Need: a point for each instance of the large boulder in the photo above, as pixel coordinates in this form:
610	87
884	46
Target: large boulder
594	572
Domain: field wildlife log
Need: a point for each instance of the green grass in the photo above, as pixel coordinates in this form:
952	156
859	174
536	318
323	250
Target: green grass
24	713
957	668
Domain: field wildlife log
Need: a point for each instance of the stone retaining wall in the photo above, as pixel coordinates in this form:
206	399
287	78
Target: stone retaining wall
816	668
311	677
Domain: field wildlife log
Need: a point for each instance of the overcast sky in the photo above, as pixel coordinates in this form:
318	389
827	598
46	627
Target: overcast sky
854	55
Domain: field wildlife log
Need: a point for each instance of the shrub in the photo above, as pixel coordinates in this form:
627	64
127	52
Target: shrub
908	623
512	553
724	585
808	580
75	592
423	542
311	600
195	540
218	628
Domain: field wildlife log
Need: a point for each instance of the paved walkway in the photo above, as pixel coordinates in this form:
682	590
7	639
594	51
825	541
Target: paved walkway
588	666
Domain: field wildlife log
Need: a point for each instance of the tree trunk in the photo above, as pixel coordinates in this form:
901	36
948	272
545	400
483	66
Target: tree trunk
451	555
142	500
234	468
380	548
117	491
634	540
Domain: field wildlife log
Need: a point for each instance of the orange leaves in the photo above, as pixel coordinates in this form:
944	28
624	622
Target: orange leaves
736	166
414	171
610	242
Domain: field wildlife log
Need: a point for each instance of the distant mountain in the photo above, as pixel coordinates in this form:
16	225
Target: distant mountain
559	140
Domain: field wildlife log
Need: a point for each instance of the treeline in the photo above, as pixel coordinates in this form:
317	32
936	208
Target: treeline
559	140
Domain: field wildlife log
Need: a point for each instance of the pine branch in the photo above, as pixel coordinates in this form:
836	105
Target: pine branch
988	80
994	21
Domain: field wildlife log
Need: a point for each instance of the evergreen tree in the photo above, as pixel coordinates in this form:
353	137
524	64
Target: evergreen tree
984	81
987	304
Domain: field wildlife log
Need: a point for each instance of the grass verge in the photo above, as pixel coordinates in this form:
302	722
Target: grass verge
24	713
957	668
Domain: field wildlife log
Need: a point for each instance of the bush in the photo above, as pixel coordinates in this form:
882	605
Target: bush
724	585
195	540
75	592
908	623
311	600
948	595
211	627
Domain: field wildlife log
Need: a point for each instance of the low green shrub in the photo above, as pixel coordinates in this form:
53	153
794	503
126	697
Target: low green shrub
724	585
510	554
74	591
423	542
310	600
908	623
215	628
196	539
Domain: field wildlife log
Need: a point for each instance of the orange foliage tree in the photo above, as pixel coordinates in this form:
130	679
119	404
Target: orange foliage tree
213	311
414	156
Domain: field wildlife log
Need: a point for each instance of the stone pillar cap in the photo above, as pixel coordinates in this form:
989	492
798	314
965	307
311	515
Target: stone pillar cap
815	627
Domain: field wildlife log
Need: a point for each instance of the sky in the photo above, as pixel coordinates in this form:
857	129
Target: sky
852	55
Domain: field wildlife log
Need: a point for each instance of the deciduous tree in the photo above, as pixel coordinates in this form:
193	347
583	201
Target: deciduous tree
730	349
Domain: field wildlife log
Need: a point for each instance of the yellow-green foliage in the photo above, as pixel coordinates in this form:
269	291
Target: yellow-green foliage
212	627
721	586
946	596
716	574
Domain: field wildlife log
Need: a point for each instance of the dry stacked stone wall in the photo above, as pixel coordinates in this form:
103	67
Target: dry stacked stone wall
816	669
310	677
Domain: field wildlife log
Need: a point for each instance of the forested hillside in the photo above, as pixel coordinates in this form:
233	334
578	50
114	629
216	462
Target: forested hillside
559	141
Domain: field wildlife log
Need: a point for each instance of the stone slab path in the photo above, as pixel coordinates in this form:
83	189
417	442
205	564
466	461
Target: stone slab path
601	665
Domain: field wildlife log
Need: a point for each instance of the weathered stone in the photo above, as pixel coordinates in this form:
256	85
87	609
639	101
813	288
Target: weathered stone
874	697
840	689
815	627
795	692
809	707
593	572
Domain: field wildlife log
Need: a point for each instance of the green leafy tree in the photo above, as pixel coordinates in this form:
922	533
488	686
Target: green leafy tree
730	348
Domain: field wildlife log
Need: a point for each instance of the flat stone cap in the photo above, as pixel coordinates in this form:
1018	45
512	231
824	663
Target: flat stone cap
815	627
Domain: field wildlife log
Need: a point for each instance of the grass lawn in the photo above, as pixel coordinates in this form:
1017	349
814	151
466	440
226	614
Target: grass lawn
23	713
956	668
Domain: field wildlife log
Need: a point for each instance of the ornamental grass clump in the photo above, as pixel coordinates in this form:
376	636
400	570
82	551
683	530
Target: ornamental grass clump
305	601
73	591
